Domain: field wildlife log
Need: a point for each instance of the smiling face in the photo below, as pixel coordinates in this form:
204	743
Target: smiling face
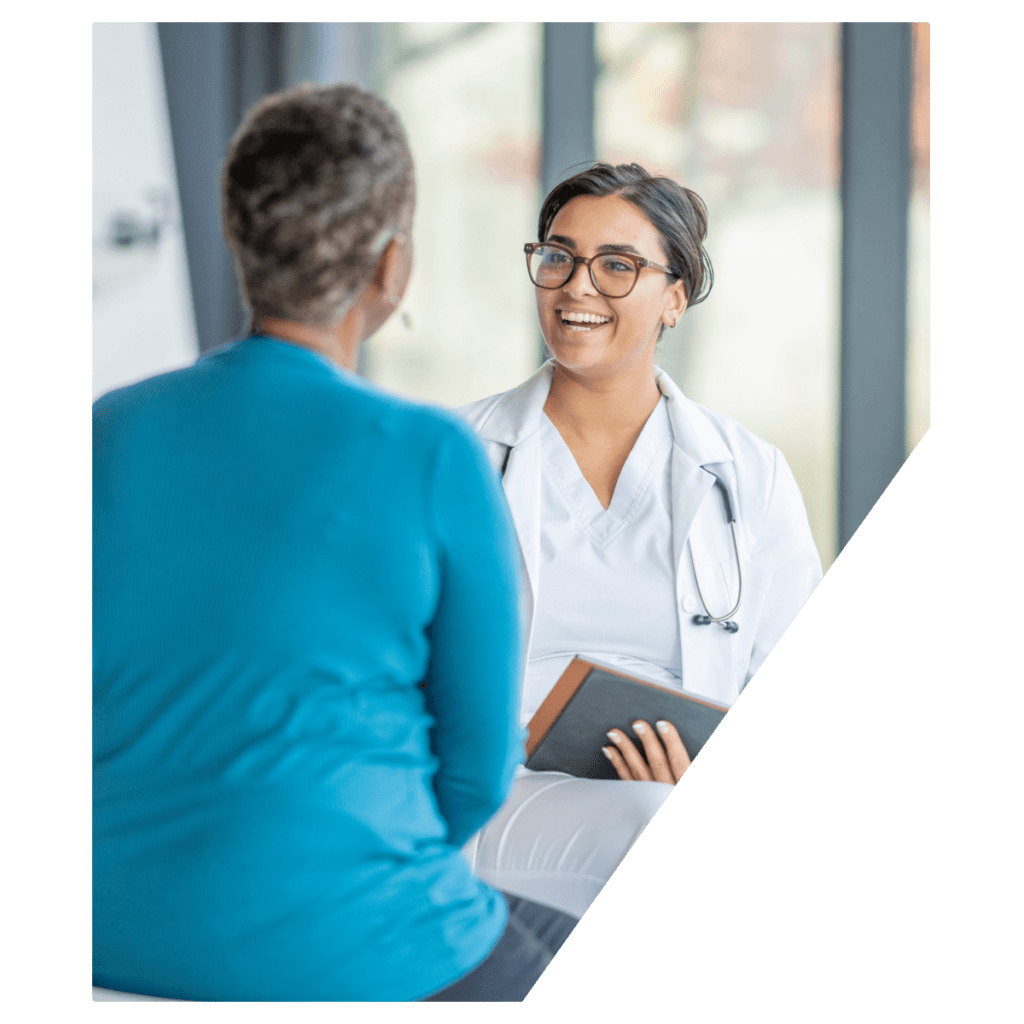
588	333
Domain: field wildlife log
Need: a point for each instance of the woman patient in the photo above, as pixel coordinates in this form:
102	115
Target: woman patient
627	553
305	626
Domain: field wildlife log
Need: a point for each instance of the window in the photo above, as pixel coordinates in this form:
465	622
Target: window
469	96
746	116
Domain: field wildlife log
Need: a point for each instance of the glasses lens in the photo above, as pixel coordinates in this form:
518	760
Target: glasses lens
614	275
550	267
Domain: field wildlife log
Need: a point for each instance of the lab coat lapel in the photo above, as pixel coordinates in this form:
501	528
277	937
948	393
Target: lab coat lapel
695	446
690	486
516	414
513	423
699	529
522	492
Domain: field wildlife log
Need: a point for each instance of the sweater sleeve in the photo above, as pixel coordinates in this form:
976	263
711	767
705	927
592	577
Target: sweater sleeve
472	685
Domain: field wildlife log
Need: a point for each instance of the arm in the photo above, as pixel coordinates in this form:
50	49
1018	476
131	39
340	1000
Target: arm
472	685
784	546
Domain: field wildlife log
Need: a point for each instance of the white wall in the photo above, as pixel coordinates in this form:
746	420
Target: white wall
142	307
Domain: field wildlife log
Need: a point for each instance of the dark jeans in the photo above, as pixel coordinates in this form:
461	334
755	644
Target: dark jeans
533	935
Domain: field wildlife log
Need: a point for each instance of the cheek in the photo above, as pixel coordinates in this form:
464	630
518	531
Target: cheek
652	307
545	304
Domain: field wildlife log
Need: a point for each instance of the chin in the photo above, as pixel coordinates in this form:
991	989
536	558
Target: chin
577	360
572	351
579	364
576	349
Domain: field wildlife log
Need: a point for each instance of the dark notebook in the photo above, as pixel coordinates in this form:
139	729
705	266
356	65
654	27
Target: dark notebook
569	729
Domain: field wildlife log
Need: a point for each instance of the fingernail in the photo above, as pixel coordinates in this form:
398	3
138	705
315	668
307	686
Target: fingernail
662	726
639	728
614	737
606	752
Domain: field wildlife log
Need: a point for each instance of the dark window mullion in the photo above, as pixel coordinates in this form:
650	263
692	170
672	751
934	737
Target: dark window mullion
875	199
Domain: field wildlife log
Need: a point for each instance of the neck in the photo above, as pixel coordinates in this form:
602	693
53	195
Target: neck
618	403
338	341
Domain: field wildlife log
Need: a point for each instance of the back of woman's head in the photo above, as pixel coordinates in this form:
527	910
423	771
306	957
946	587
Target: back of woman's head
315	182
678	214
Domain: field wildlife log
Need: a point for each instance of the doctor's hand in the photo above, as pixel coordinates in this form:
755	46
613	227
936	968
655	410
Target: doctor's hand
666	757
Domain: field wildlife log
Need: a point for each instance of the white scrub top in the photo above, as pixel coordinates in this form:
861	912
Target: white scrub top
607	587
779	560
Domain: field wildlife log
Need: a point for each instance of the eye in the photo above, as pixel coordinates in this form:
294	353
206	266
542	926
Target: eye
617	265
555	256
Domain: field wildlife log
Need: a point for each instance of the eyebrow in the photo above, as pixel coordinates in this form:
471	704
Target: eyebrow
571	244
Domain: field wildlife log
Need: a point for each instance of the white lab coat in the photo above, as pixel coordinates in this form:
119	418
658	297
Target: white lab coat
780	562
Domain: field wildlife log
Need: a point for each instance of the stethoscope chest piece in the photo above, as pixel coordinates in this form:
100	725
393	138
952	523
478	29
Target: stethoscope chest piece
705	620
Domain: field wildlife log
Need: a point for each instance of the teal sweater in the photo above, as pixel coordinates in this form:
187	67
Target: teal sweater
305	684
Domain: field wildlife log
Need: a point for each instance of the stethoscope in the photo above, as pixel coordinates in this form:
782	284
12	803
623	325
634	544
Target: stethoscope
726	620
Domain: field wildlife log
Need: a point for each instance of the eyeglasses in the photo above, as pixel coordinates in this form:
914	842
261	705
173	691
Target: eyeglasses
614	274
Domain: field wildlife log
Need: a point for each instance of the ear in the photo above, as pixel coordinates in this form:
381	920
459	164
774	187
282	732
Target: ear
675	303
390	270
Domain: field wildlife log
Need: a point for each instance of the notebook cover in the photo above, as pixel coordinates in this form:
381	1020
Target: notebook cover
569	729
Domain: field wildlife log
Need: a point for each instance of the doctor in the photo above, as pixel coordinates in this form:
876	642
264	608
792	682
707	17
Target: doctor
656	536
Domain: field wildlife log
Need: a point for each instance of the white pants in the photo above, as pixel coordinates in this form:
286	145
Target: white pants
557	839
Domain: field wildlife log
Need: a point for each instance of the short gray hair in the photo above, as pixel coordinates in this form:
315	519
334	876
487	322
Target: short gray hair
315	182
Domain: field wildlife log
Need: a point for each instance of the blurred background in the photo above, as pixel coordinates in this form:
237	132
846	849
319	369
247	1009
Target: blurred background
808	143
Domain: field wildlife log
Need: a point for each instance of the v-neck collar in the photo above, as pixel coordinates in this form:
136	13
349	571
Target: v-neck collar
603	524
512	417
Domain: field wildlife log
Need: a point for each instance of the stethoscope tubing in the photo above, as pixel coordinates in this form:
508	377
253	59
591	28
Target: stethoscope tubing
708	618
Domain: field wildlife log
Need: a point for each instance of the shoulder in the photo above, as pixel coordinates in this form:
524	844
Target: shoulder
422	422
477	413
508	412
508	418
745	446
437	440
755	470
290	388
711	437
123	401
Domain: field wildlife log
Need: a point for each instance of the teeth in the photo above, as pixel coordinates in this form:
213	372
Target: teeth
585	318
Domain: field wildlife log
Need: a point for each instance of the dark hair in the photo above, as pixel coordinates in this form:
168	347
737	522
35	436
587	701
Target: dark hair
315	182
678	214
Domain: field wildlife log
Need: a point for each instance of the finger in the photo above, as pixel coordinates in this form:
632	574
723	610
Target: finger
654	752
678	758
618	764
637	765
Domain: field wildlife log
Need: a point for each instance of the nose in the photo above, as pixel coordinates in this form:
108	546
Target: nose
579	282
